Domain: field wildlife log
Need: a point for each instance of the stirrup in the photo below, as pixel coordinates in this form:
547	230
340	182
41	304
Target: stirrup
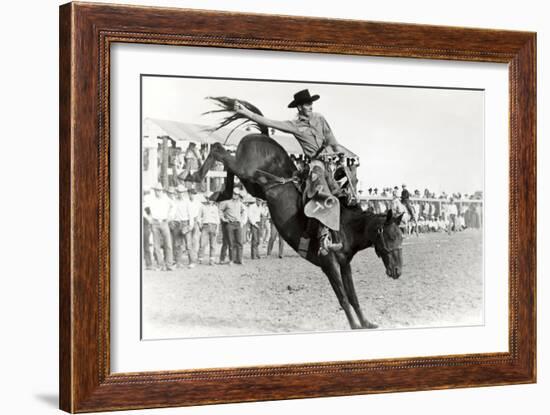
336	247
326	245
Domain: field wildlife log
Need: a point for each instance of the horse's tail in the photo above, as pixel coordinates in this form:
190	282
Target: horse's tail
227	104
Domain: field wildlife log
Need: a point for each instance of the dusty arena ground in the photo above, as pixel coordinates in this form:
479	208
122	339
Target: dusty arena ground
441	285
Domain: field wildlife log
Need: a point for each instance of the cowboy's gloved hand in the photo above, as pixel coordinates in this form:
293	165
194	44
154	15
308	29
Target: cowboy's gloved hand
238	108
241	109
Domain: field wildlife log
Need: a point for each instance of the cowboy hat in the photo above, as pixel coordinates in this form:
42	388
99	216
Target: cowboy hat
303	97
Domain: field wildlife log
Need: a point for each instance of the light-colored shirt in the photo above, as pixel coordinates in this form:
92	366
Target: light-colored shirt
194	208
209	214
160	207
254	213
244	215
311	132
232	210
452	209
180	210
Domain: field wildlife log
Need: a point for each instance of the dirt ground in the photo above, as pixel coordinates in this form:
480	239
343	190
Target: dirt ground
441	285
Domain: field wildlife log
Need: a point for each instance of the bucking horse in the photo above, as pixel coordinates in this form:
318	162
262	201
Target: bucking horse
267	172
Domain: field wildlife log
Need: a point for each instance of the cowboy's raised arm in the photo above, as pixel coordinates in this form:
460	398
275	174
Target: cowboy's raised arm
285	126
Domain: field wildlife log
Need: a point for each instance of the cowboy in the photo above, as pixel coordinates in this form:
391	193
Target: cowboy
147	230
209	219
159	208
181	228
194	208
254	214
232	212
315	136
406	201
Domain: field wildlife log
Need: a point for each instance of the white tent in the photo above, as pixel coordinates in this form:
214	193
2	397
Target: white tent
180	131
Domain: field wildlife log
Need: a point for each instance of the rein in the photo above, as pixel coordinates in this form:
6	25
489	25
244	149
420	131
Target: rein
277	180
384	249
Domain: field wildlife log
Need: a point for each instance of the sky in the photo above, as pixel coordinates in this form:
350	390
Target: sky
423	137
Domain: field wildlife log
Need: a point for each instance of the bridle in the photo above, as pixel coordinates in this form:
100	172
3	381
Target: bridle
384	249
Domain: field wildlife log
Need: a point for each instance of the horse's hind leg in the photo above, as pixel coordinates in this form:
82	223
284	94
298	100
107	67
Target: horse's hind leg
217	153
227	191
330	268
347	279
235	167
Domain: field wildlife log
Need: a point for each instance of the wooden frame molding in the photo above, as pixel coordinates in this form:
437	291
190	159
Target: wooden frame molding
86	33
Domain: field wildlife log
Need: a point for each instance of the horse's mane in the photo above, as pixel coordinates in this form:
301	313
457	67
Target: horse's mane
227	105
357	215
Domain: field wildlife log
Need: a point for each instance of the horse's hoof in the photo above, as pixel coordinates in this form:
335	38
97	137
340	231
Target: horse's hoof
370	325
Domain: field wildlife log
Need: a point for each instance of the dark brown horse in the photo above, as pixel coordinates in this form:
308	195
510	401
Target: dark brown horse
258	163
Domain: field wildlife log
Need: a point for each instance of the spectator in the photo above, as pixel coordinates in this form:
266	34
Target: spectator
460	222
194	212
147	231
264	218
274	234
406	202
209	219
224	251
244	217
254	214
451	216
159	208
180	228
233	212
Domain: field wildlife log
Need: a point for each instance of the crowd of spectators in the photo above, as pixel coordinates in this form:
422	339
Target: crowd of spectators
183	228
427	211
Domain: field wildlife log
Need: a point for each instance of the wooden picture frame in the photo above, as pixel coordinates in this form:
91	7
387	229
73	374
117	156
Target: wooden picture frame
86	33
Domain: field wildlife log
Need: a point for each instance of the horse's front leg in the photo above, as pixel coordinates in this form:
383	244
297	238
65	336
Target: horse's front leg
330	268
347	278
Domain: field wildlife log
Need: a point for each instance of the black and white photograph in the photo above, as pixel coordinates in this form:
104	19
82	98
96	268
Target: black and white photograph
272	207
275	207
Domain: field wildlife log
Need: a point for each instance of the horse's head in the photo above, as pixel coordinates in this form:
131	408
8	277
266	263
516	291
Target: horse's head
387	244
